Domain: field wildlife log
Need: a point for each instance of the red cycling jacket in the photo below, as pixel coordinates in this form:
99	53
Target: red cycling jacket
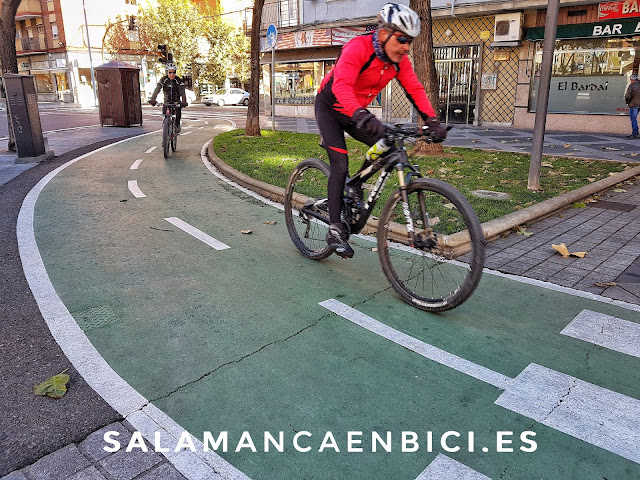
359	75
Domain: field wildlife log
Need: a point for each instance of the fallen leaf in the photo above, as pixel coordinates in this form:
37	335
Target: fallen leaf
579	205
605	284
591	179
54	387
270	222
520	230
449	206
246	232
547	164
374	249
611	148
433	221
562	249
619	190
567	145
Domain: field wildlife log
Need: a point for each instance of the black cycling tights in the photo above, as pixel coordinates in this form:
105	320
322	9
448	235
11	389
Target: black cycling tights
333	125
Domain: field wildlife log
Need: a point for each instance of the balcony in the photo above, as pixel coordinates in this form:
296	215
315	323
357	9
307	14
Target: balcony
282	13
30	44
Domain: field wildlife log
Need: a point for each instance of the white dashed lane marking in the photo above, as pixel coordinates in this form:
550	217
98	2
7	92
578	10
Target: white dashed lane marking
199	234
135	190
151	149
606	331
136	164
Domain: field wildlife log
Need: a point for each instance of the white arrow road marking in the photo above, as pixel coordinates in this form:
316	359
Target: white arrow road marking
151	149
136	164
596	415
135	190
445	468
199	234
607	331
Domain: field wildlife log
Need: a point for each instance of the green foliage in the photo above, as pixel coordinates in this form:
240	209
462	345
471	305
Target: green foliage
272	156
202	43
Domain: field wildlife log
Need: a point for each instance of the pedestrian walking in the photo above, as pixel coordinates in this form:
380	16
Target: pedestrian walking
632	97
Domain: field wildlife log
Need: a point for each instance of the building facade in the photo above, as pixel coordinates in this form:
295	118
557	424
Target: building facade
53	46
488	57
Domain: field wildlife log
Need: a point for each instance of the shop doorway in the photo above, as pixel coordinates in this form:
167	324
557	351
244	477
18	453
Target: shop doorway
457	70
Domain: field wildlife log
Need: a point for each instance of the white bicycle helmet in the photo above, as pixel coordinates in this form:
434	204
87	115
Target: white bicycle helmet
398	17
170	66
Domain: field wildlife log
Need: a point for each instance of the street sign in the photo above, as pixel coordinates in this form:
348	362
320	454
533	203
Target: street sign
272	36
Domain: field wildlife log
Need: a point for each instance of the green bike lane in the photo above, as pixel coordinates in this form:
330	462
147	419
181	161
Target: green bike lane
235	340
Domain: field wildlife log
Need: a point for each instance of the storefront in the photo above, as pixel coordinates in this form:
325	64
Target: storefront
590	74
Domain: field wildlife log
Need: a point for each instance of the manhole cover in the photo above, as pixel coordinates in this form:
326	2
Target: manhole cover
95	317
620	207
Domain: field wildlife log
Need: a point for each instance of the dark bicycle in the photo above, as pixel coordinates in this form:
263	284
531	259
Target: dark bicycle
415	231
169	128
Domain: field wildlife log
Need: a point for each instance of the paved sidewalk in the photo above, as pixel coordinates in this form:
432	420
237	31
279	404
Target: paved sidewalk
608	230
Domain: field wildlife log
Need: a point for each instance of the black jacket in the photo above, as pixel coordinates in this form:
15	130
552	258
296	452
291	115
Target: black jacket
173	90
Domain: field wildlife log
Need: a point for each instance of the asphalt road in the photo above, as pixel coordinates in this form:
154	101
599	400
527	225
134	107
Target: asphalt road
240	334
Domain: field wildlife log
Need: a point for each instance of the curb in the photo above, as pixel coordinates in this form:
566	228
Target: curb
458	242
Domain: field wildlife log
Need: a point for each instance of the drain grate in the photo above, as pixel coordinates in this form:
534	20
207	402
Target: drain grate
95	317
617	206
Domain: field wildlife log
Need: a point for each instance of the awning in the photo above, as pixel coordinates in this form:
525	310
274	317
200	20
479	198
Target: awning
612	28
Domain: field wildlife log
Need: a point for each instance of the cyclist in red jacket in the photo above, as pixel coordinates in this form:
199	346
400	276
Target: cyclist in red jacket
365	66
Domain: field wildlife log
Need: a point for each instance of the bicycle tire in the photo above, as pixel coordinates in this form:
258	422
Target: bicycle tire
166	132
307	185
426	275
174	137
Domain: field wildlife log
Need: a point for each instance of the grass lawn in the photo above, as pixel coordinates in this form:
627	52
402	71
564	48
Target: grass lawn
272	157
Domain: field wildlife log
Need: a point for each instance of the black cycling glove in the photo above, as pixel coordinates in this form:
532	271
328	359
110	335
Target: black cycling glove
437	132
367	121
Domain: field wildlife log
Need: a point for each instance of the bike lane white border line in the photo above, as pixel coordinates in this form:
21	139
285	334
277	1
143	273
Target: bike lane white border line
142	414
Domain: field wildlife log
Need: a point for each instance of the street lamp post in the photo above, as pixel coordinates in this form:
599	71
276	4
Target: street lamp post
93	78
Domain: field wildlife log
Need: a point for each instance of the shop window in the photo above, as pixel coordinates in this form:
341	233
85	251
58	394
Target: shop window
588	76
44	83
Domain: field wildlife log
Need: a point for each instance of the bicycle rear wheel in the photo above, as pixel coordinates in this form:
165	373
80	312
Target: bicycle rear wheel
426	275
306	210
174	136
166	133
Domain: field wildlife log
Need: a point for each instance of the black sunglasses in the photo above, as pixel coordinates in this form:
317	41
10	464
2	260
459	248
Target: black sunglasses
172	72
403	39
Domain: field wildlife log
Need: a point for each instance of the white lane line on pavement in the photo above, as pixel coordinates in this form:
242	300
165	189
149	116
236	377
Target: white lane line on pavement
426	350
216	172
151	149
136	164
187	133
610	332
122	397
199	234
596	415
445	468
135	190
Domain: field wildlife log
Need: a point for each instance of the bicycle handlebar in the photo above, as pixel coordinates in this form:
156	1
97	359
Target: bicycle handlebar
403	131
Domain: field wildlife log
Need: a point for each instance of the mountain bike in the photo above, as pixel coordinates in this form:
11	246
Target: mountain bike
416	231
169	128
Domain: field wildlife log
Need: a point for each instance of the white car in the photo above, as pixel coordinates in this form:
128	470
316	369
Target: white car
227	96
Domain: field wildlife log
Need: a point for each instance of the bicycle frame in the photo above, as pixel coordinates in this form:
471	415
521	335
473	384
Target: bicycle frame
396	158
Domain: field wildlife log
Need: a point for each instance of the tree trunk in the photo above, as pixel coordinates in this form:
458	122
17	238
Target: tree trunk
8	56
252	128
425	67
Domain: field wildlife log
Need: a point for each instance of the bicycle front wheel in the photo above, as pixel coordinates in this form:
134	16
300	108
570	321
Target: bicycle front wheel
426	274
174	136
166	135
306	210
